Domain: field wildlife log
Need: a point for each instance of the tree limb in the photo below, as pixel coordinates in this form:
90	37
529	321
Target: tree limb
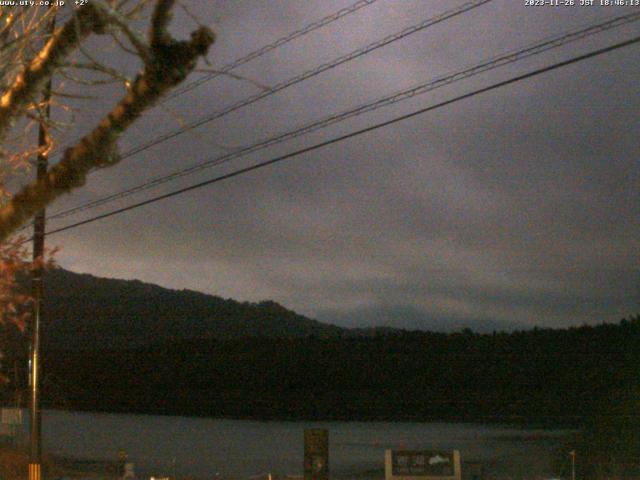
170	63
29	82
159	34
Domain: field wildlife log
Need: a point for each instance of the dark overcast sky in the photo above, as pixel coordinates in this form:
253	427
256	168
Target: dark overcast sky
517	207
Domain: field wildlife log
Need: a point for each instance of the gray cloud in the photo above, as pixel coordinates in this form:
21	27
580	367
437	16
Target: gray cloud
517	207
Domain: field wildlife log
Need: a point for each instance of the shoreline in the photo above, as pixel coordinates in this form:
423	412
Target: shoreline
506	421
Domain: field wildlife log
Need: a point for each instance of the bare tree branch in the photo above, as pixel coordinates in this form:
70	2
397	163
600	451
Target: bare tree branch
134	37
29	82
159	33
170	63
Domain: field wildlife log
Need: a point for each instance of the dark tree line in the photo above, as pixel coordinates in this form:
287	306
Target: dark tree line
551	377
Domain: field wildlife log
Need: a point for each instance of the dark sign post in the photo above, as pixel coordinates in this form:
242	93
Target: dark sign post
316	454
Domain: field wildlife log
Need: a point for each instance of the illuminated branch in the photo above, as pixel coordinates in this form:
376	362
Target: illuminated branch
29	82
168	64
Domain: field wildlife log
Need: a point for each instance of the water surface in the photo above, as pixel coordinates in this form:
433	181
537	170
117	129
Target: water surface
208	448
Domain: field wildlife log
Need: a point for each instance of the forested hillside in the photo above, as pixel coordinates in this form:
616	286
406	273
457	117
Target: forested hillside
87	312
551	377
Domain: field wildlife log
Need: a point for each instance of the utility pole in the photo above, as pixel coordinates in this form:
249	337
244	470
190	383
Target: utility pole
37	283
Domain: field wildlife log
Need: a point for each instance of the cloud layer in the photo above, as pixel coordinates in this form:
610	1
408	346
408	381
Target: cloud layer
516	207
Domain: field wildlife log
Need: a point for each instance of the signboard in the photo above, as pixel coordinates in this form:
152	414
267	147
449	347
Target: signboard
422	465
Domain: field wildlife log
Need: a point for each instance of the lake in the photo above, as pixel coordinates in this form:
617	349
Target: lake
215	448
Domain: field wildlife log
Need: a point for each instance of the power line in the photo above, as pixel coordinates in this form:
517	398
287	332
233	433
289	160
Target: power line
309	74
272	46
492	63
341	138
306	75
